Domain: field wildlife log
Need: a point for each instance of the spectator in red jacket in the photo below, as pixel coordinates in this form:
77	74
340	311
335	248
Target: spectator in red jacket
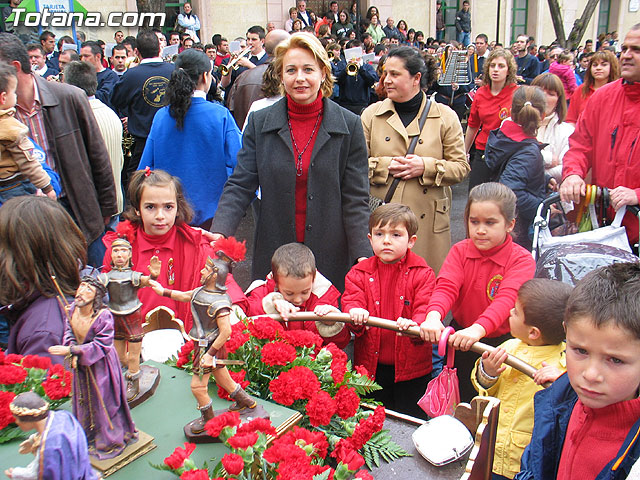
394	284
606	138
295	285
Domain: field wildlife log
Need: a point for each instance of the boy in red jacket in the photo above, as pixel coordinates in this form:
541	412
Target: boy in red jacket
295	285
395	284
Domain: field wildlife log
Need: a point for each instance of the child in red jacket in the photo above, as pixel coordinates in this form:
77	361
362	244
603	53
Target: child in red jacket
295	285
395	284
480	279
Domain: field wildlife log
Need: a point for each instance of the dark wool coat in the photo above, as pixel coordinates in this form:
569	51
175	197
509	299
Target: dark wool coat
337	190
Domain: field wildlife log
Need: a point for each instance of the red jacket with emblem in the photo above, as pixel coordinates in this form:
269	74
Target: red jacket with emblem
606	141
322	293
414	285
482	287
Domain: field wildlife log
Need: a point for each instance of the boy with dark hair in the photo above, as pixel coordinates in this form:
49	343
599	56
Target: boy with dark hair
295	285
536	324
586	423
394	284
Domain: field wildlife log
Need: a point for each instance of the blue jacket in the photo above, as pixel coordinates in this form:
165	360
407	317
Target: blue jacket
528	67
553	408
516	160
202	154
140	93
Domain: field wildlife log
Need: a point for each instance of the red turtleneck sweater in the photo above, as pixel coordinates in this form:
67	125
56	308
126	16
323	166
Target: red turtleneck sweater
590	430
303	119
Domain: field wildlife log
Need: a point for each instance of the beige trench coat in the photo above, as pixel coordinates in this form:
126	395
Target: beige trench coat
441	146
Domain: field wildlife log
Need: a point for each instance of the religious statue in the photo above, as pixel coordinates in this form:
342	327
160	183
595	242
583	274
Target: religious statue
99	393
211	306
122	283
59	444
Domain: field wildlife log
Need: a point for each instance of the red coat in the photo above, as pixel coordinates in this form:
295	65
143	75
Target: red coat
480	288
608	131
189	250
322	293
414	286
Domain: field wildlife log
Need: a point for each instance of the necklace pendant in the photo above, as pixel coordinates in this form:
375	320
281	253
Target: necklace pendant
171	274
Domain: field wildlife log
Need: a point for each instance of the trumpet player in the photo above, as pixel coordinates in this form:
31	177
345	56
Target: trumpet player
255	56
355	79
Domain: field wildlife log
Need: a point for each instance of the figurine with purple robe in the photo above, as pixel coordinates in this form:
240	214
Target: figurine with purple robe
59	444
99	392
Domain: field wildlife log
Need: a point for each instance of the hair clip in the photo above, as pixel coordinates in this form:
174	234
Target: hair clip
525	104
147	171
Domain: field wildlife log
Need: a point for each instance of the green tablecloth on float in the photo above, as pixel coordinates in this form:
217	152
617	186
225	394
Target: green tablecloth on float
163	417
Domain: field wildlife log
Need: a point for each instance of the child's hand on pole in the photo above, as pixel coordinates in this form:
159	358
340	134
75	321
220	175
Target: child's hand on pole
492	363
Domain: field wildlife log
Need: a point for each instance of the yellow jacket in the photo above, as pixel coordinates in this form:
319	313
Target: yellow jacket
515	391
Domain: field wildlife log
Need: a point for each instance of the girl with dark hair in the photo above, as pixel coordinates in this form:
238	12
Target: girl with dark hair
402	28
192	138
342	26
411	39
157	225
603	68
189	22
38	238
424	176
514	158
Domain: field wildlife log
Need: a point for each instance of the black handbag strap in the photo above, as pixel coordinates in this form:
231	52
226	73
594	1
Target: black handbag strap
410	150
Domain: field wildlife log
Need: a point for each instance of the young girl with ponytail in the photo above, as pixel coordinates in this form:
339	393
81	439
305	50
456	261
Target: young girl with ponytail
192	138
514	156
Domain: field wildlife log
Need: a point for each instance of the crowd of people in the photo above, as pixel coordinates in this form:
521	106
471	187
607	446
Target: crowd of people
344	145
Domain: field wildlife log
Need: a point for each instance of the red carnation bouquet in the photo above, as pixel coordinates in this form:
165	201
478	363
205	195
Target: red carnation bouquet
257	453
293	369
20	374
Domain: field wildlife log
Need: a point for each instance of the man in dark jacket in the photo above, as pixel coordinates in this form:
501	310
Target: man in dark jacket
527	64
60	120
140	94
463	24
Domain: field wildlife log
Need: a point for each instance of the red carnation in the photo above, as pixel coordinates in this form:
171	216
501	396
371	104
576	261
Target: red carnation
6	417
338	363
364	475
362	370
179	455
233	463
34	361
257	425
278	353
321	408
351	458
200	474
367	427
238	337
302	437
295	384
243	440
265	328
302	338
185	354
231	247
228	419
237	377
58	383
12	358
299	470
347	402
1	356
11	374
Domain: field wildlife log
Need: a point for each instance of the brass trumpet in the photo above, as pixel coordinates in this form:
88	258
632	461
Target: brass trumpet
353	69
233	64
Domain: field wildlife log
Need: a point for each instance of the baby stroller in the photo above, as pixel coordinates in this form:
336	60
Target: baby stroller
570	257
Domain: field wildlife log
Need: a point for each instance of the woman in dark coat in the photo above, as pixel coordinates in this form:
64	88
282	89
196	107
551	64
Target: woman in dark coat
309	158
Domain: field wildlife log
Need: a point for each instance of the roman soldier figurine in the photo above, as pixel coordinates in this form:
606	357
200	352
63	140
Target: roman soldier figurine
211	306
122	283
